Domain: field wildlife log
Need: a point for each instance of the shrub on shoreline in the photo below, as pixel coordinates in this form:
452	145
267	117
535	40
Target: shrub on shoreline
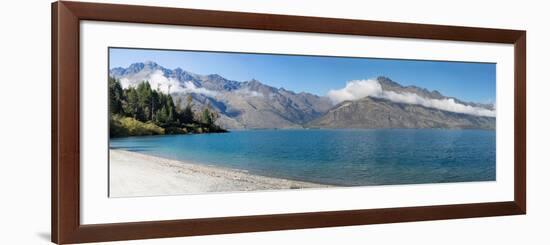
120	126
127	126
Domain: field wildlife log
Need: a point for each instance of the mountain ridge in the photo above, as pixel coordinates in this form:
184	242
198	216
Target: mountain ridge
253	104
382	113
247	104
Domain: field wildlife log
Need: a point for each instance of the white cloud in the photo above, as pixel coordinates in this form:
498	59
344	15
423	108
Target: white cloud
191	88
358	89
249	93
157	80
164	84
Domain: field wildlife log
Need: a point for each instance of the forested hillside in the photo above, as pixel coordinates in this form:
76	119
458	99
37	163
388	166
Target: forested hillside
141	110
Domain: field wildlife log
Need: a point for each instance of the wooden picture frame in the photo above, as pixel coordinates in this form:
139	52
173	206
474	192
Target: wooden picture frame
65	174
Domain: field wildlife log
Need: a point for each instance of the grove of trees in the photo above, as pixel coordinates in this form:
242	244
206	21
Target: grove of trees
141	110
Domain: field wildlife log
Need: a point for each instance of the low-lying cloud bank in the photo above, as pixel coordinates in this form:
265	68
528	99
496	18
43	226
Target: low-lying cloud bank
248	93
358	89
157	80
191	88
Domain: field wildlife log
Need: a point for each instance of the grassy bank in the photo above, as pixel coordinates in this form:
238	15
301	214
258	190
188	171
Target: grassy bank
120	126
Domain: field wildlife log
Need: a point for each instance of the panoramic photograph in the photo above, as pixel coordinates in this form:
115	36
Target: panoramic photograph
195	122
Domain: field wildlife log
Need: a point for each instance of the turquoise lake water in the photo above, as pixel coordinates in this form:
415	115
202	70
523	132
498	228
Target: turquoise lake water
338	157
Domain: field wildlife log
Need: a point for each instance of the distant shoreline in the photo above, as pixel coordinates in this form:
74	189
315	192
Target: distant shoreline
229	130
135	174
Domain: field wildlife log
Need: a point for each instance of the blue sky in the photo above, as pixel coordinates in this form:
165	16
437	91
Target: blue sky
317	74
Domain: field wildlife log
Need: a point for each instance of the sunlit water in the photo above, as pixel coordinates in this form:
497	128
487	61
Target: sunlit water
338	157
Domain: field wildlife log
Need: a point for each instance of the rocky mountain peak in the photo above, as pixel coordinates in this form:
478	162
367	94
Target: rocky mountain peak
387	82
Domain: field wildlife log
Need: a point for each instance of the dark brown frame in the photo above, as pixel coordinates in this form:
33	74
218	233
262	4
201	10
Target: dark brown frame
65	175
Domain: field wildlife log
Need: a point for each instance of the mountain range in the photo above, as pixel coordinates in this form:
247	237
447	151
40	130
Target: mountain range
253	104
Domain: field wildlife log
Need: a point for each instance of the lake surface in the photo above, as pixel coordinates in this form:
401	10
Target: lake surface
339	157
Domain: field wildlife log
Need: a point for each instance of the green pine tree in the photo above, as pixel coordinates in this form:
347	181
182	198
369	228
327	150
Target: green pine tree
115	96
131	107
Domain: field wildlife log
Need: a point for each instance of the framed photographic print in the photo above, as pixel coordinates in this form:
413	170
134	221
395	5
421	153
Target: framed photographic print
177	122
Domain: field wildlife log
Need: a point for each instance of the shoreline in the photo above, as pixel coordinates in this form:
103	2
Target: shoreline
134	174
